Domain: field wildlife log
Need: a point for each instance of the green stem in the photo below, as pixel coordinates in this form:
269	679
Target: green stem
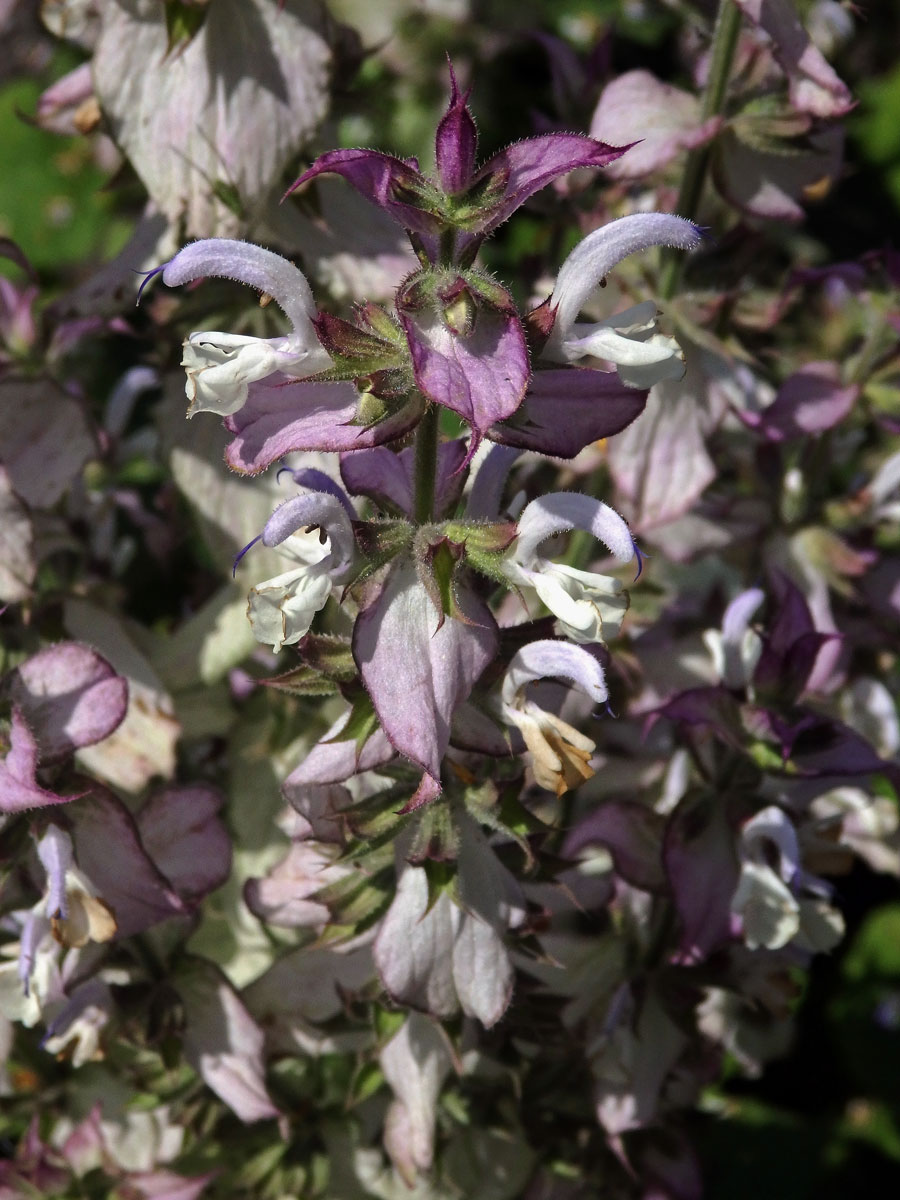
872	349
426	465
724	43
663	922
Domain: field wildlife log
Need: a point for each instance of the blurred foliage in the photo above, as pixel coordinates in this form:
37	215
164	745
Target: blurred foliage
877	129
53	201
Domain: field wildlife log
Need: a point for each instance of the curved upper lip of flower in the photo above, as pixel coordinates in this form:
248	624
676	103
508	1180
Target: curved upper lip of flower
596	255
553	660
233	361
560	512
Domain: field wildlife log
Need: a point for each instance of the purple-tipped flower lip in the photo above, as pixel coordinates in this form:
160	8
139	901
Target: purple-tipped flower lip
55	852
252	265
555	659
559	512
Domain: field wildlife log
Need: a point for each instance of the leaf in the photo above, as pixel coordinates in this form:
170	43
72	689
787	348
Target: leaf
17	565
361	723
183	22
303	681
235	103
70	697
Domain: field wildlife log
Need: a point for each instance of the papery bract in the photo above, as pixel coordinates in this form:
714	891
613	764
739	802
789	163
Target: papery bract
333	759
224	113
70	697
565	410
222	1041
384	476
283	415
19	788
814	85
444	956
417	667
479	372
479	200
415	1063
661	119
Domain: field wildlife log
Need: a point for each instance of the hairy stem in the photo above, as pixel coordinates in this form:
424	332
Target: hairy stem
426	465
724	43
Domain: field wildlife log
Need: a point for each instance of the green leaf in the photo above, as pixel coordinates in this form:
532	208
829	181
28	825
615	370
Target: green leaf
442	879
183	23
230	197
329	654
361	724
386	1023
875	951
443	562
256	1170
489	537
54	205
303	681
374	819
875	123
366	1082
436	837
358	900
379	543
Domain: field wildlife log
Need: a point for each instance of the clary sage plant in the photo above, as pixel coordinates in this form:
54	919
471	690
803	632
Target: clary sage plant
418	563
445	795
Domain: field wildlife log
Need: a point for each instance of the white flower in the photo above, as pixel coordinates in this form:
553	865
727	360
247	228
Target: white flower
560	754
737	648
767	907
629	339
770	899
281	609
221	366
588	606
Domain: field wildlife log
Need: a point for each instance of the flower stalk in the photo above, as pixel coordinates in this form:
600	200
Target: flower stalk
425	468
724	44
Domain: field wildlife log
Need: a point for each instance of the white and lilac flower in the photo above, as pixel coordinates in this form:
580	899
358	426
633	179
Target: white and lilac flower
221	366
588	606
629	339
776	900
737	648
313	531
560	754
